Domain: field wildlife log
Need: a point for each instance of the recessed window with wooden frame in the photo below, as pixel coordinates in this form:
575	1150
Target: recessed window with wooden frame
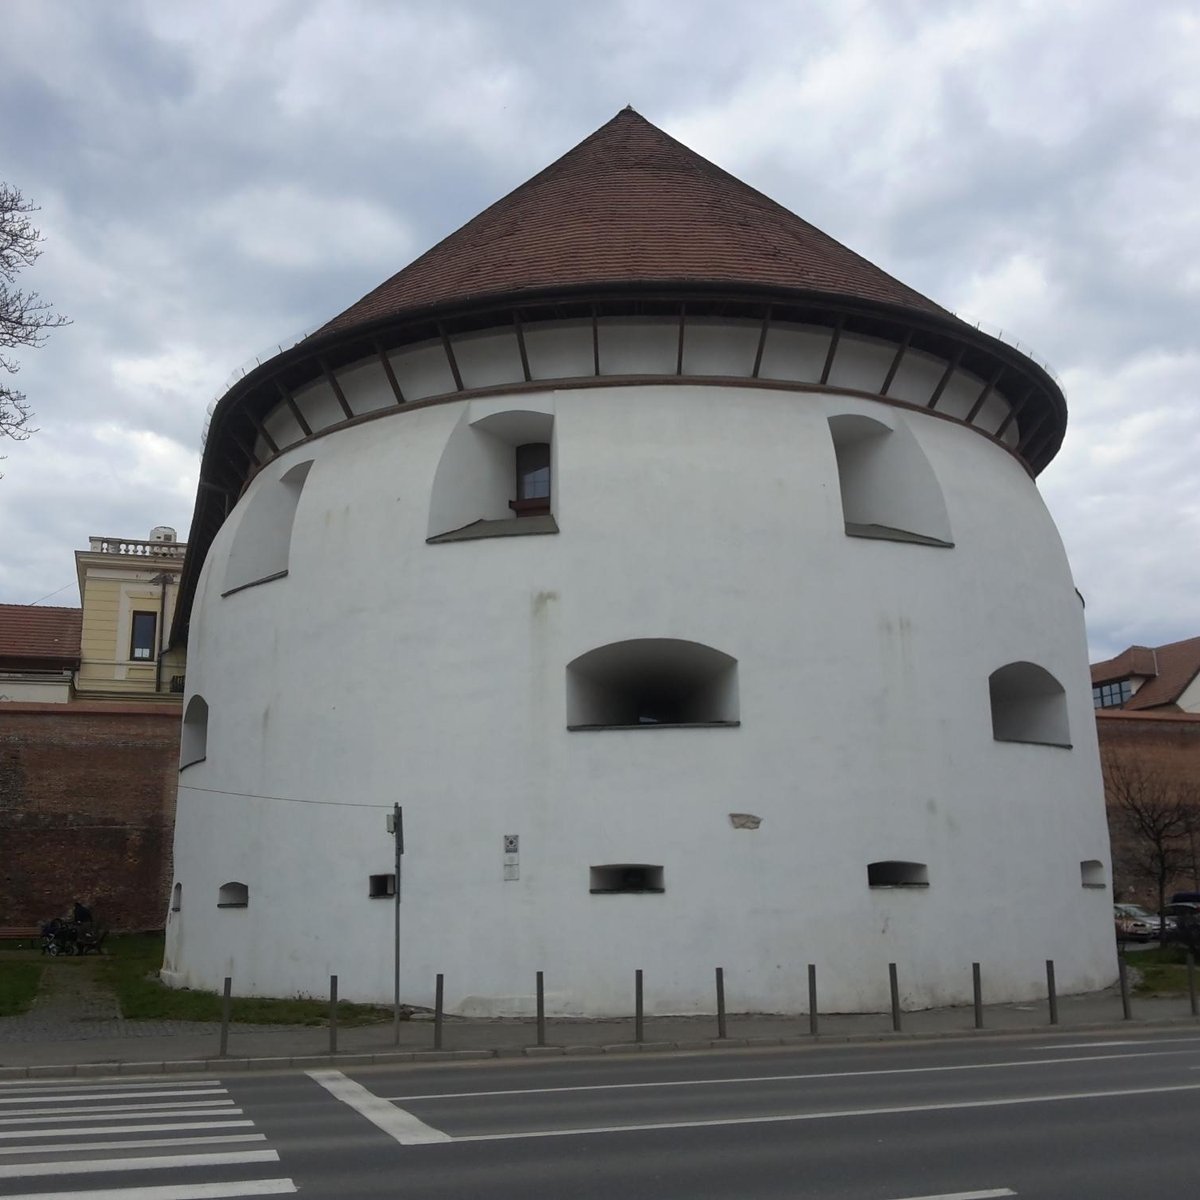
142	631
533	480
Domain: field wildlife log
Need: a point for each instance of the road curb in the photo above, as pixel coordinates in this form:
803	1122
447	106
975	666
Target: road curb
41	1071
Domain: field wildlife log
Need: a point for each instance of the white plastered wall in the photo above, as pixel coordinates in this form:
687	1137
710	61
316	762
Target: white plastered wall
385	670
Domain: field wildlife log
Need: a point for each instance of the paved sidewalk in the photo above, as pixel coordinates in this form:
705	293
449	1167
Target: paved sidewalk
79	1032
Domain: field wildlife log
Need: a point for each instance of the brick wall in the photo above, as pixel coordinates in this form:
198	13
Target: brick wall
1168	747
87	811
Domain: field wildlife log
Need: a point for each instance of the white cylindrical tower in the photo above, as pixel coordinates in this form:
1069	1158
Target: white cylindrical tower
683	578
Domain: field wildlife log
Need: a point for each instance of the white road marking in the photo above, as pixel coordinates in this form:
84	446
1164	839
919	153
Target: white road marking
1128	1042
118	1114
823	1116
216	1139
107	1081
613	1087
155	1162
179	1106
9	1098
92	1130
177	1191
396	1122
988	1195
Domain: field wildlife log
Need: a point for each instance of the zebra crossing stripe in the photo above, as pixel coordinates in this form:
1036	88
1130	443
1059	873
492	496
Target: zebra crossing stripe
178	1191
154	1162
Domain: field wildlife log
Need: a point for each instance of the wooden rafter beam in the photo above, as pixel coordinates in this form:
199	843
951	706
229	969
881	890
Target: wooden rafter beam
984	393
831	354
762	342
947	374
521	346
293	408
449	349
386	364
331	379
897	358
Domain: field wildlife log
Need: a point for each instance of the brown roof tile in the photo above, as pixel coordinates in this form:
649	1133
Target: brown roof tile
1169	669
43	634
629	204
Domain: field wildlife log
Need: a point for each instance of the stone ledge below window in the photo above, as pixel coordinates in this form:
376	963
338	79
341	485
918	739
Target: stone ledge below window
659	725
506	527
885	533
241	587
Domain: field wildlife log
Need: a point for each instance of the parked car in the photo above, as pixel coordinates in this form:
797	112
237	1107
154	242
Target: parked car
1180	915
1137	924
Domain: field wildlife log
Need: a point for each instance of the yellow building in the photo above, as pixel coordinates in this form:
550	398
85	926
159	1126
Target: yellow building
128	589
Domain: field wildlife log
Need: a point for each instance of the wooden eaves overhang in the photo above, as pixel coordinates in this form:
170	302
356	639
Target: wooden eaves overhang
238	444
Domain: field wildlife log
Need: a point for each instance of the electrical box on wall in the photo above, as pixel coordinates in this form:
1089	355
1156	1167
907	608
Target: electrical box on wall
512	856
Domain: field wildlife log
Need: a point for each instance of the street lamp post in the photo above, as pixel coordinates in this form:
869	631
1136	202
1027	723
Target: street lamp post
395	826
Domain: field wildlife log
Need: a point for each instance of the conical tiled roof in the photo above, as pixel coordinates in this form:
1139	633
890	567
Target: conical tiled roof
628	205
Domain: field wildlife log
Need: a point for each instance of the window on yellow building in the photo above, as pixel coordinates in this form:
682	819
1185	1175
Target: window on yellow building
141	638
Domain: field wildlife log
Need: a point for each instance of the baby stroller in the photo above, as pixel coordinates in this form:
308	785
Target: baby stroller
59	937
72	937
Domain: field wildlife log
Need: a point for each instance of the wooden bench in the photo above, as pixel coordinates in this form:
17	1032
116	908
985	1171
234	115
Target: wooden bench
24	933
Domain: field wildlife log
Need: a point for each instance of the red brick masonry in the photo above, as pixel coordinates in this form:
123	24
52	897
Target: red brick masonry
87	811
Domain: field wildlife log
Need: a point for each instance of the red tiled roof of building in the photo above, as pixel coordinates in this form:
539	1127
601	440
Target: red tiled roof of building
43	634
629	204
1167	670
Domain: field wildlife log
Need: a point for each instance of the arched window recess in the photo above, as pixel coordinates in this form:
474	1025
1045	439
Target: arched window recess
193	737
652	683
1028	705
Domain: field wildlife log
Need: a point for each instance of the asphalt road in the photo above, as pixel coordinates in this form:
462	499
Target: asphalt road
1047	1116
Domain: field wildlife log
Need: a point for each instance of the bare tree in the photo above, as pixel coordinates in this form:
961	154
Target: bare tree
1154	816
24	316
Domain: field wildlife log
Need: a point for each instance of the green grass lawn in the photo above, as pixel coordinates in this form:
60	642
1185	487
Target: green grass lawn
131	969
1163	971
18	984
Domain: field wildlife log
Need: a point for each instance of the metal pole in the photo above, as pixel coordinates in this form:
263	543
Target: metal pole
977	984
541	1010
1191	966
812	999
437	1014
333	1014
638	1026
398	836
1126	1011
720	1002
895	984
225	1016
1051	992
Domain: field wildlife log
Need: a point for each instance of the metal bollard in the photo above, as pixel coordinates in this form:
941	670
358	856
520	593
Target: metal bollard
812	999
638	1024
541	1010
977	987
1051	992
333	1014
225	1005
1126	1011
720	1002
437	1013
895	984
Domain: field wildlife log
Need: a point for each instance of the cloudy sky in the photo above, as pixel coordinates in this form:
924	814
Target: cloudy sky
214	177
